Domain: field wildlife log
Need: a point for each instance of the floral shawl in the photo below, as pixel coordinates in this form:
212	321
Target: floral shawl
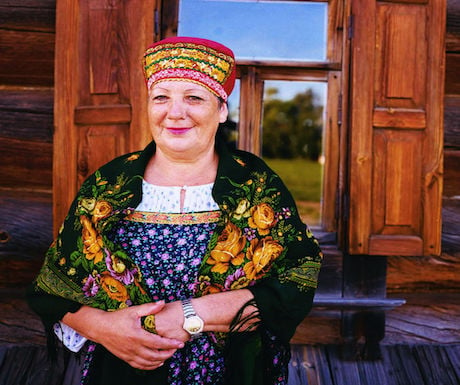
260	243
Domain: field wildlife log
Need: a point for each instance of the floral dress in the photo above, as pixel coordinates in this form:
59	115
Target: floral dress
168	246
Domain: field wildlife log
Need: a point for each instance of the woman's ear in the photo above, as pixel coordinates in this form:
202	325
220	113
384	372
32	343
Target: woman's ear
223	112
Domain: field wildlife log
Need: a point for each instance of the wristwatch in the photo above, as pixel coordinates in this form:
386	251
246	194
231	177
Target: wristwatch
193	324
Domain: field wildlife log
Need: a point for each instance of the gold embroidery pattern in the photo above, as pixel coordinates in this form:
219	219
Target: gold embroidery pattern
174	219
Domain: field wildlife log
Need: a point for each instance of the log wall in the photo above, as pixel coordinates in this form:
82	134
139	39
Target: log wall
27	37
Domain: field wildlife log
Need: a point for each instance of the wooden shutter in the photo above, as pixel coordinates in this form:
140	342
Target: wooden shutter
100	109
396	127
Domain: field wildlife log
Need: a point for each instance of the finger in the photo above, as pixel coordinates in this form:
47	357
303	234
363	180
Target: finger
155	341
149	308
162	355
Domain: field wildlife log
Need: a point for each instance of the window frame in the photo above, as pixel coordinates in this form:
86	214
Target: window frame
253	73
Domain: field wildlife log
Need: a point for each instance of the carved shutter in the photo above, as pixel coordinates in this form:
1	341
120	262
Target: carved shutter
100	109
396	127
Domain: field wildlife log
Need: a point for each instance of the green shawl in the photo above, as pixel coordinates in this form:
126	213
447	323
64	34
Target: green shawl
269	249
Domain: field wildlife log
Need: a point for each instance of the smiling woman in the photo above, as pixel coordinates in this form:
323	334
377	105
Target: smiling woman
184	250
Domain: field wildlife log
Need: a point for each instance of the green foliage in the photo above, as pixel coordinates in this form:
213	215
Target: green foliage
292	128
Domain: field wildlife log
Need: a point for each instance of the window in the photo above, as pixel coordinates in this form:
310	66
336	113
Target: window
285	103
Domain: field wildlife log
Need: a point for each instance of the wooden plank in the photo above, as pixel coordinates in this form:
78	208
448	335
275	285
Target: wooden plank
343	372
452	122
425	319
452	84
453	353
451	175
27	58
26	164
431	359
403	366
108	114
37	15
311	364
27	114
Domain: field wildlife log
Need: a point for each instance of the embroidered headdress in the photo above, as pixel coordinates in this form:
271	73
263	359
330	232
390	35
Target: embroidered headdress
202	61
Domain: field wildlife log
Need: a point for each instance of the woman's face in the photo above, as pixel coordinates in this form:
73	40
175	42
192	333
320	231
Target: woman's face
184	117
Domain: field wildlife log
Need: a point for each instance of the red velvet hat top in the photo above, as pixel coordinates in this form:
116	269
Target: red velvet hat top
202	61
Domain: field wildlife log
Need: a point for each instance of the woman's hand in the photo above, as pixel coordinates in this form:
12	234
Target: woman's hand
170	320
121	333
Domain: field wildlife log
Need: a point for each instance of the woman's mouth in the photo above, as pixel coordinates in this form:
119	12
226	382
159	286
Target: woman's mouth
178	130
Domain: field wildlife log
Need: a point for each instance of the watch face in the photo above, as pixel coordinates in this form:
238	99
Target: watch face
193	324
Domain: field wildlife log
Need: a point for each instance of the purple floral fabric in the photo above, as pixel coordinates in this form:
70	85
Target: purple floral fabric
169	256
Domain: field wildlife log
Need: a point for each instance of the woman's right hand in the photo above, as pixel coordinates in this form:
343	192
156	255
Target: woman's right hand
121	333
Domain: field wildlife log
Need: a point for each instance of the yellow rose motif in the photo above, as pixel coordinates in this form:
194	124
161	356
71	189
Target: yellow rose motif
92	241
242	211
114	289
229	249
101	210
117	265
88	204
262	218
262	253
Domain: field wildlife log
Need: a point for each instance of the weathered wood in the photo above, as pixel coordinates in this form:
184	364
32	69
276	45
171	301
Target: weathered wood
26	164
33	15
452	122
451	177
452	73
27	58
453	26
27	114
427	318
395	168
27	42
25	235
97	65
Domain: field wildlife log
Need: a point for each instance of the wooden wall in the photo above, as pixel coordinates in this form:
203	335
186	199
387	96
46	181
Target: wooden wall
27	37
415	274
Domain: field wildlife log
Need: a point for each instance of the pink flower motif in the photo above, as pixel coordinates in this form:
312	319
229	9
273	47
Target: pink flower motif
90	288
118	269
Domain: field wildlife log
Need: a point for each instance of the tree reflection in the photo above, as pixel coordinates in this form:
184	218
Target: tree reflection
292	128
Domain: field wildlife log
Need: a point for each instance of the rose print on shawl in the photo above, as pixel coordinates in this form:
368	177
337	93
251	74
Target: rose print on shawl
256	230
262	218
261	254
229	249
92	241
112	280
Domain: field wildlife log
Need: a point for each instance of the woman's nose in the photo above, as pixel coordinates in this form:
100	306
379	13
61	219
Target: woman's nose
176	109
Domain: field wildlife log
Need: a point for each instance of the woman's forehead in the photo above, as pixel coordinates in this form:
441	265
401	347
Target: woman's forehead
178	85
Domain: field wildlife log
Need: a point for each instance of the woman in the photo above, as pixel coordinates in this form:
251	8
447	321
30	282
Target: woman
183	263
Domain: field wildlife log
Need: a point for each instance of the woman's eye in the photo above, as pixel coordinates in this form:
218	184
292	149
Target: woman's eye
194	98
159	98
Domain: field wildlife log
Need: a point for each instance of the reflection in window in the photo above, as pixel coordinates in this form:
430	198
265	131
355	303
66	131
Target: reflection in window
292	131
262	30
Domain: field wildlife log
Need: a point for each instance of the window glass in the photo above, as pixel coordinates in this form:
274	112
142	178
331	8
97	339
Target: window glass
292	136
229	129
262	30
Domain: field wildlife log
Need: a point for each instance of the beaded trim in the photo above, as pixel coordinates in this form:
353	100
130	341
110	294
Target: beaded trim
186	60
189	75
174	219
